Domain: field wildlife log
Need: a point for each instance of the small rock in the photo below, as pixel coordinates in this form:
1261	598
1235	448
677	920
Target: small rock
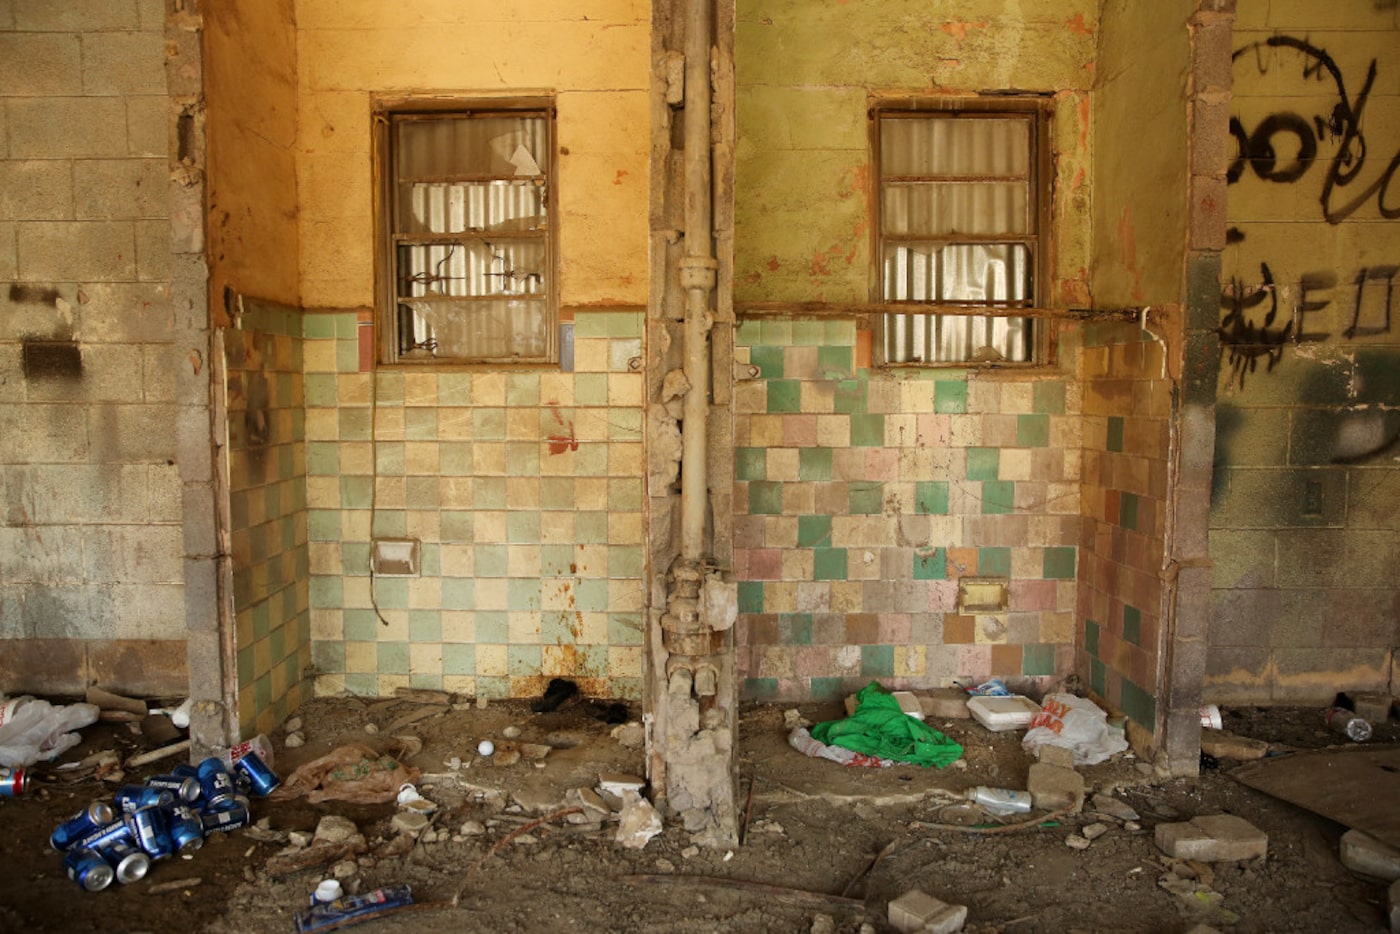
371	728
1131	826
793	719
293	740
505	757
1075	842
630	735
482	703
249	875
455	763
526	839
511	732
823	924
293	724
472	828
639	821
345	869
299	838
335	829
1094	831
665	865
429	836
411	823
690	852
1109	806
535	752
264	823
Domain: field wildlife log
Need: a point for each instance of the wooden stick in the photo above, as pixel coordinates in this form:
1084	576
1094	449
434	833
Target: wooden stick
456	896
155	755
757	888
174	885
1003	828
748	809
870	867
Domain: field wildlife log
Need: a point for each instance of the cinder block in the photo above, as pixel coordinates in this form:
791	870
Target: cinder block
917	911
152	250
74	16
124	63
66	127
148	123
77	251
1217	838
121	188
40	64
1363	853
1058	756
1054	788
36	189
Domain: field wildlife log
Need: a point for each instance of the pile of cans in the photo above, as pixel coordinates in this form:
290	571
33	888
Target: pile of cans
169	814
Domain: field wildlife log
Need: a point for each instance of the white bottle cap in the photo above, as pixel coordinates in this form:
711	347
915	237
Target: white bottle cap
328	891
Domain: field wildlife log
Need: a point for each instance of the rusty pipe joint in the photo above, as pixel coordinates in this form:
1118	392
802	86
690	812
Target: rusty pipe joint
698	273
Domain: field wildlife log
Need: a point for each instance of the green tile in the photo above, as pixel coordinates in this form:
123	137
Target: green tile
591	389
489	493
812	532
765	498
829	564
750	596
624	561
244	660
777	331
769	361
1139	705
1128	510
492	627
624	424
834	362
867	430
356	492
318	325
422	681
795	629
1032	431
262	692
262	620
983	463
761	689
392	658
422	493
523	594
932	566
522	660
784	395
931	497
1048	398
851	397
591	596
390	523
866	497
490	560
625	494
354	557
362	684
591	460
1098	680
326	592
523	528
590	528
458	593
557	492
557	561
827	689
626	629
346	325
489	424
420	423
748	332
994	562
1058	563
1037	659
458	659
877	661
1115	433
456	525
347	356
556	628
320	390
590	324
523	389
353	424
454	389
361	625
950	396
998	497
328	656
424	626
430	559
391	592
812	464
1132	625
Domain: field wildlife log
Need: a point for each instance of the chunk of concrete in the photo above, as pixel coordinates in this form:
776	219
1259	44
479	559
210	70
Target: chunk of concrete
1219	838
918	911
335	829
411	823
1224	745
1054	788
944	704
1060	756
1110	806
1363	853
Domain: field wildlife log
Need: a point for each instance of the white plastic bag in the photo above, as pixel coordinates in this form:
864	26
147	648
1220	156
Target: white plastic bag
1077	724
31	729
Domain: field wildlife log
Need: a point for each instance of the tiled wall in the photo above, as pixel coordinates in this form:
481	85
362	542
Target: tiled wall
862	497
267	508
525	490
1127	403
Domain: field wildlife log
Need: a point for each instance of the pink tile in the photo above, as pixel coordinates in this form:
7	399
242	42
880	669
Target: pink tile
943	596
894	629
813	661
882	464
799	430
974	661
765	564
1037	595
935	430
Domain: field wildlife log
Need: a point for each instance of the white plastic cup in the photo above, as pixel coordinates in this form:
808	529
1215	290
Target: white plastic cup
1210	717
327	891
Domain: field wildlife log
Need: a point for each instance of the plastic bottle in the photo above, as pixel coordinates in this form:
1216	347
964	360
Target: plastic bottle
1346	722
1000	801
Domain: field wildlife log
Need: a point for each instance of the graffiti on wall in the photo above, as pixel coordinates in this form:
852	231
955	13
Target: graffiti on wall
1326	147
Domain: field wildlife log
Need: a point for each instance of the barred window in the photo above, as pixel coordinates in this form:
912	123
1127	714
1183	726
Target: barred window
468	247
960	216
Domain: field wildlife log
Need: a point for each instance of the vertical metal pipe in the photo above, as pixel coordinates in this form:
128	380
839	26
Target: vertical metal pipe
697	276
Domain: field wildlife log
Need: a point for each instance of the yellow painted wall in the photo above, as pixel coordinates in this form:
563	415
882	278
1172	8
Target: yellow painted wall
251	96
595	55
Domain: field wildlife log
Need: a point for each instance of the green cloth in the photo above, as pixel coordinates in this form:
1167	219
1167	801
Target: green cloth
880	728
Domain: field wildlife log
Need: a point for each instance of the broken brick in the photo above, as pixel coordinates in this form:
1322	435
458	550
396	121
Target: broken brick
1219	838
918	911
1054	788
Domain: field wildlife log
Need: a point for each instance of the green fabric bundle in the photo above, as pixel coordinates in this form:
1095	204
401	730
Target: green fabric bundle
880	728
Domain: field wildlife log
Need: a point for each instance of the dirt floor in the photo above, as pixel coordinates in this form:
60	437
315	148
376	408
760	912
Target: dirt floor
825	847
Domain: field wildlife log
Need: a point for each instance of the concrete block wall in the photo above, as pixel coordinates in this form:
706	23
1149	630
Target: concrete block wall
525	490
91	540
1127	410
1307	481
267	509
862	497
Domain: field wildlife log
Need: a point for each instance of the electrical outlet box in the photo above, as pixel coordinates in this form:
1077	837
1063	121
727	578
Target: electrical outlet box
394	557
982	595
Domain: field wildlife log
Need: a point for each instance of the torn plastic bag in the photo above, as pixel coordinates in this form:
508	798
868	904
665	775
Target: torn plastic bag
802	741
1076	724
353	772
31	729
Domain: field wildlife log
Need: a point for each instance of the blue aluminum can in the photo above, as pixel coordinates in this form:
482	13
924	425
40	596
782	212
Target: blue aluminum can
184	787
229	818
150	831
186	829
262	781
129	863
131	798
95	815
102	837
88	869
216	783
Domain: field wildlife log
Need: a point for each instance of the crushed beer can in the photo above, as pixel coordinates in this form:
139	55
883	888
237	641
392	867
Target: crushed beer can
185	788
150	831
186	829
96	815
131	798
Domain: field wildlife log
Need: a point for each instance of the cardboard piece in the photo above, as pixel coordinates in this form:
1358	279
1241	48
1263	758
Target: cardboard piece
1356	787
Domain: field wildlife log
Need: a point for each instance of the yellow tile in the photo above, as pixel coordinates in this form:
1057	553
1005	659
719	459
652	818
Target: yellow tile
425	658
555	462
457	560
523	560
361	658
782	595
424	593
625	595
388	684
625	459
817	397
454	424
355	525
765	431
523	627
593	629
489	389
557	595
591	561
846	597
783	463
862	564
424	524
799	499
460	684
455	492
352	389
1017	398
770	664
318	356
263	722
356	457
396	629
489	459
523	424
590	355
329	685
1014	464
625	661
491	661
327	625
626	389
322	424
489	527
325	558
523	493
833	431
421	458
797	564
750	398
557	527
916	395
420	389
591	493
491	593
625	528
989	630
279	681
556	660
590	424
557	389
967	431
1057	627
262	657
910	661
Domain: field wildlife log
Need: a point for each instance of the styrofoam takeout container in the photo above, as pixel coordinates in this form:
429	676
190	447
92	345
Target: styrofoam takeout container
1003	713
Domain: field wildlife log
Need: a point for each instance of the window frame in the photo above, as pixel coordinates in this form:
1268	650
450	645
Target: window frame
1037	111
386	112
